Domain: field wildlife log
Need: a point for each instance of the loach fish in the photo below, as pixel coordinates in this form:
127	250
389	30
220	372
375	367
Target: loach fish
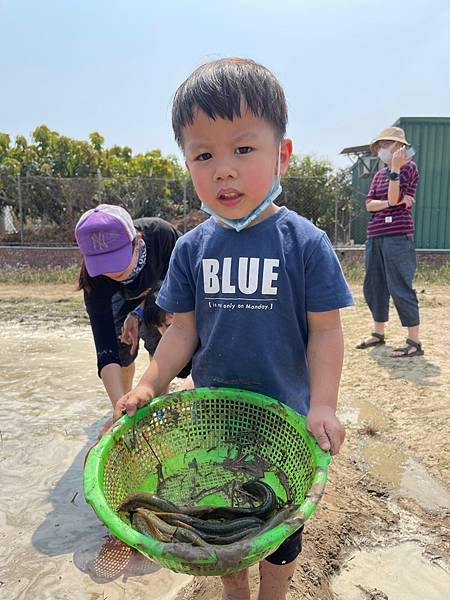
149	523
221	538
163	529
144	500
261	490
199	525
141	525
214	527
255	488
155	503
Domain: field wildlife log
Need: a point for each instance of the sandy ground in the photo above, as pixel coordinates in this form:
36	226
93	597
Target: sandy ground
381	530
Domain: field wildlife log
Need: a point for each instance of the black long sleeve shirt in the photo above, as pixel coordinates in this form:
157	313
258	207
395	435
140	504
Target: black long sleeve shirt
160	237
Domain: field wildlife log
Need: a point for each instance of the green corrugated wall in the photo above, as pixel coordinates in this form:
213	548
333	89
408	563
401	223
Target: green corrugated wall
430	137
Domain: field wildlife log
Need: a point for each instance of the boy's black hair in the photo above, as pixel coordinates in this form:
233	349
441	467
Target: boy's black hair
221	88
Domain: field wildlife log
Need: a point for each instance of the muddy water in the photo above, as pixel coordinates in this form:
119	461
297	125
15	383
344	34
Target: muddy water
52	409
409	477
401	571
392	464
407	575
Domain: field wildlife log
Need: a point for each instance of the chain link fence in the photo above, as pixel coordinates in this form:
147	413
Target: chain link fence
43	211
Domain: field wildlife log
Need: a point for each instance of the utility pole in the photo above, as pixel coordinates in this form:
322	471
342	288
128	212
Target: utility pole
19	196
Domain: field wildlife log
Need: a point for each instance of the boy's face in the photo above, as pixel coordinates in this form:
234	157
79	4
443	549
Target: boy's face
233	163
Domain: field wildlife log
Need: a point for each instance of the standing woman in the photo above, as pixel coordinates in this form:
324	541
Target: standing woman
390	257
122	261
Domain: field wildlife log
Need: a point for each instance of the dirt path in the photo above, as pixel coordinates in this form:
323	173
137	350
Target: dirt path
390	484
388	488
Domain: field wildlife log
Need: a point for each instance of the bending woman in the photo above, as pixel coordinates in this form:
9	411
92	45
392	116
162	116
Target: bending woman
122	261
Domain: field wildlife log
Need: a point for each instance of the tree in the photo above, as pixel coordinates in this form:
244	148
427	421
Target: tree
312	188
61	177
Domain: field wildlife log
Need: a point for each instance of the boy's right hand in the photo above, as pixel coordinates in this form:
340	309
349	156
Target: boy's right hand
132	401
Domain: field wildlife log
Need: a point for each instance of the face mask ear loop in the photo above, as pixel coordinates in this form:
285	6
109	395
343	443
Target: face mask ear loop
279	161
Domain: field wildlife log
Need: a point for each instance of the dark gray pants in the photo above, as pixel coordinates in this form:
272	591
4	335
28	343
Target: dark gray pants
390	266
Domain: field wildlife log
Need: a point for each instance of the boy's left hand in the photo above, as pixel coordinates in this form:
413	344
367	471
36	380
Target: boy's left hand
323	424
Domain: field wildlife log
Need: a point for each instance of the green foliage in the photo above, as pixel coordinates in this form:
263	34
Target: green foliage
4	145
312	188
39	276
52	154
61	177
96	140
426	274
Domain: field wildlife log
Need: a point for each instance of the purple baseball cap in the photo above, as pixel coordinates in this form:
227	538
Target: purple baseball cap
104	236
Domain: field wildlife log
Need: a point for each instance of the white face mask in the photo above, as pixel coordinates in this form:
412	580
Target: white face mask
385	154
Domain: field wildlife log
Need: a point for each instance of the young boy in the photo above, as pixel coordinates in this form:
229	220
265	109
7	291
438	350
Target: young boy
256	289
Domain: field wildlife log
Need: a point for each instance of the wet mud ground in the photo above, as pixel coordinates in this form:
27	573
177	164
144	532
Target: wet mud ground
381	530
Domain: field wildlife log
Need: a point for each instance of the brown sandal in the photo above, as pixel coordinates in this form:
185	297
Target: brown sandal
380	340
406	350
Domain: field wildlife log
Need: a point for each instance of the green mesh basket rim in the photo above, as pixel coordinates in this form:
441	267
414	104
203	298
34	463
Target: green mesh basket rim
94	467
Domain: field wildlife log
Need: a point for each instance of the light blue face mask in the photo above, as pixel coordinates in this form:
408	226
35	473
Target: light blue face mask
243	222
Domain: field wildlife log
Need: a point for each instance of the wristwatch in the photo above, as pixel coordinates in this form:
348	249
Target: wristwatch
138	312
394	176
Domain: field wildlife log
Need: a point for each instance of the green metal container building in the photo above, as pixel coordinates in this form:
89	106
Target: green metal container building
430	137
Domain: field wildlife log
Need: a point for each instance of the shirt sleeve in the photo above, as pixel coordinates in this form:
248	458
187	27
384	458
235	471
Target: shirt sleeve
372	194
409	178
177	294
99	308
326	287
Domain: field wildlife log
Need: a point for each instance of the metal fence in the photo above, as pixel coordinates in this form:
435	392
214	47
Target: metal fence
39	210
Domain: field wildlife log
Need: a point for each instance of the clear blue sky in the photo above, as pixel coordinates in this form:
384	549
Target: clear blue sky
349	68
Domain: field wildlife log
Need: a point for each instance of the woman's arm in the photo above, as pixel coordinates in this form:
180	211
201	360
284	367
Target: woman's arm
113	378
173	352
372	203
325	352
376	205
393	191
399	159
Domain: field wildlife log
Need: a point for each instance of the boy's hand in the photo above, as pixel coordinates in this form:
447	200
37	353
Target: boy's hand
132	401
326	428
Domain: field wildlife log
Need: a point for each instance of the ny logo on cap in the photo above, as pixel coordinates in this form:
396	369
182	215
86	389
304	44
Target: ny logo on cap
98	241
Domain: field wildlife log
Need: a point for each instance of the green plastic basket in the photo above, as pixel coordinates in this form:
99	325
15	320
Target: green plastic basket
194	447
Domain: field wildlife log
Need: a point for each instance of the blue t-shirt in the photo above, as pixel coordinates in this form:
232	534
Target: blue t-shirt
251	291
